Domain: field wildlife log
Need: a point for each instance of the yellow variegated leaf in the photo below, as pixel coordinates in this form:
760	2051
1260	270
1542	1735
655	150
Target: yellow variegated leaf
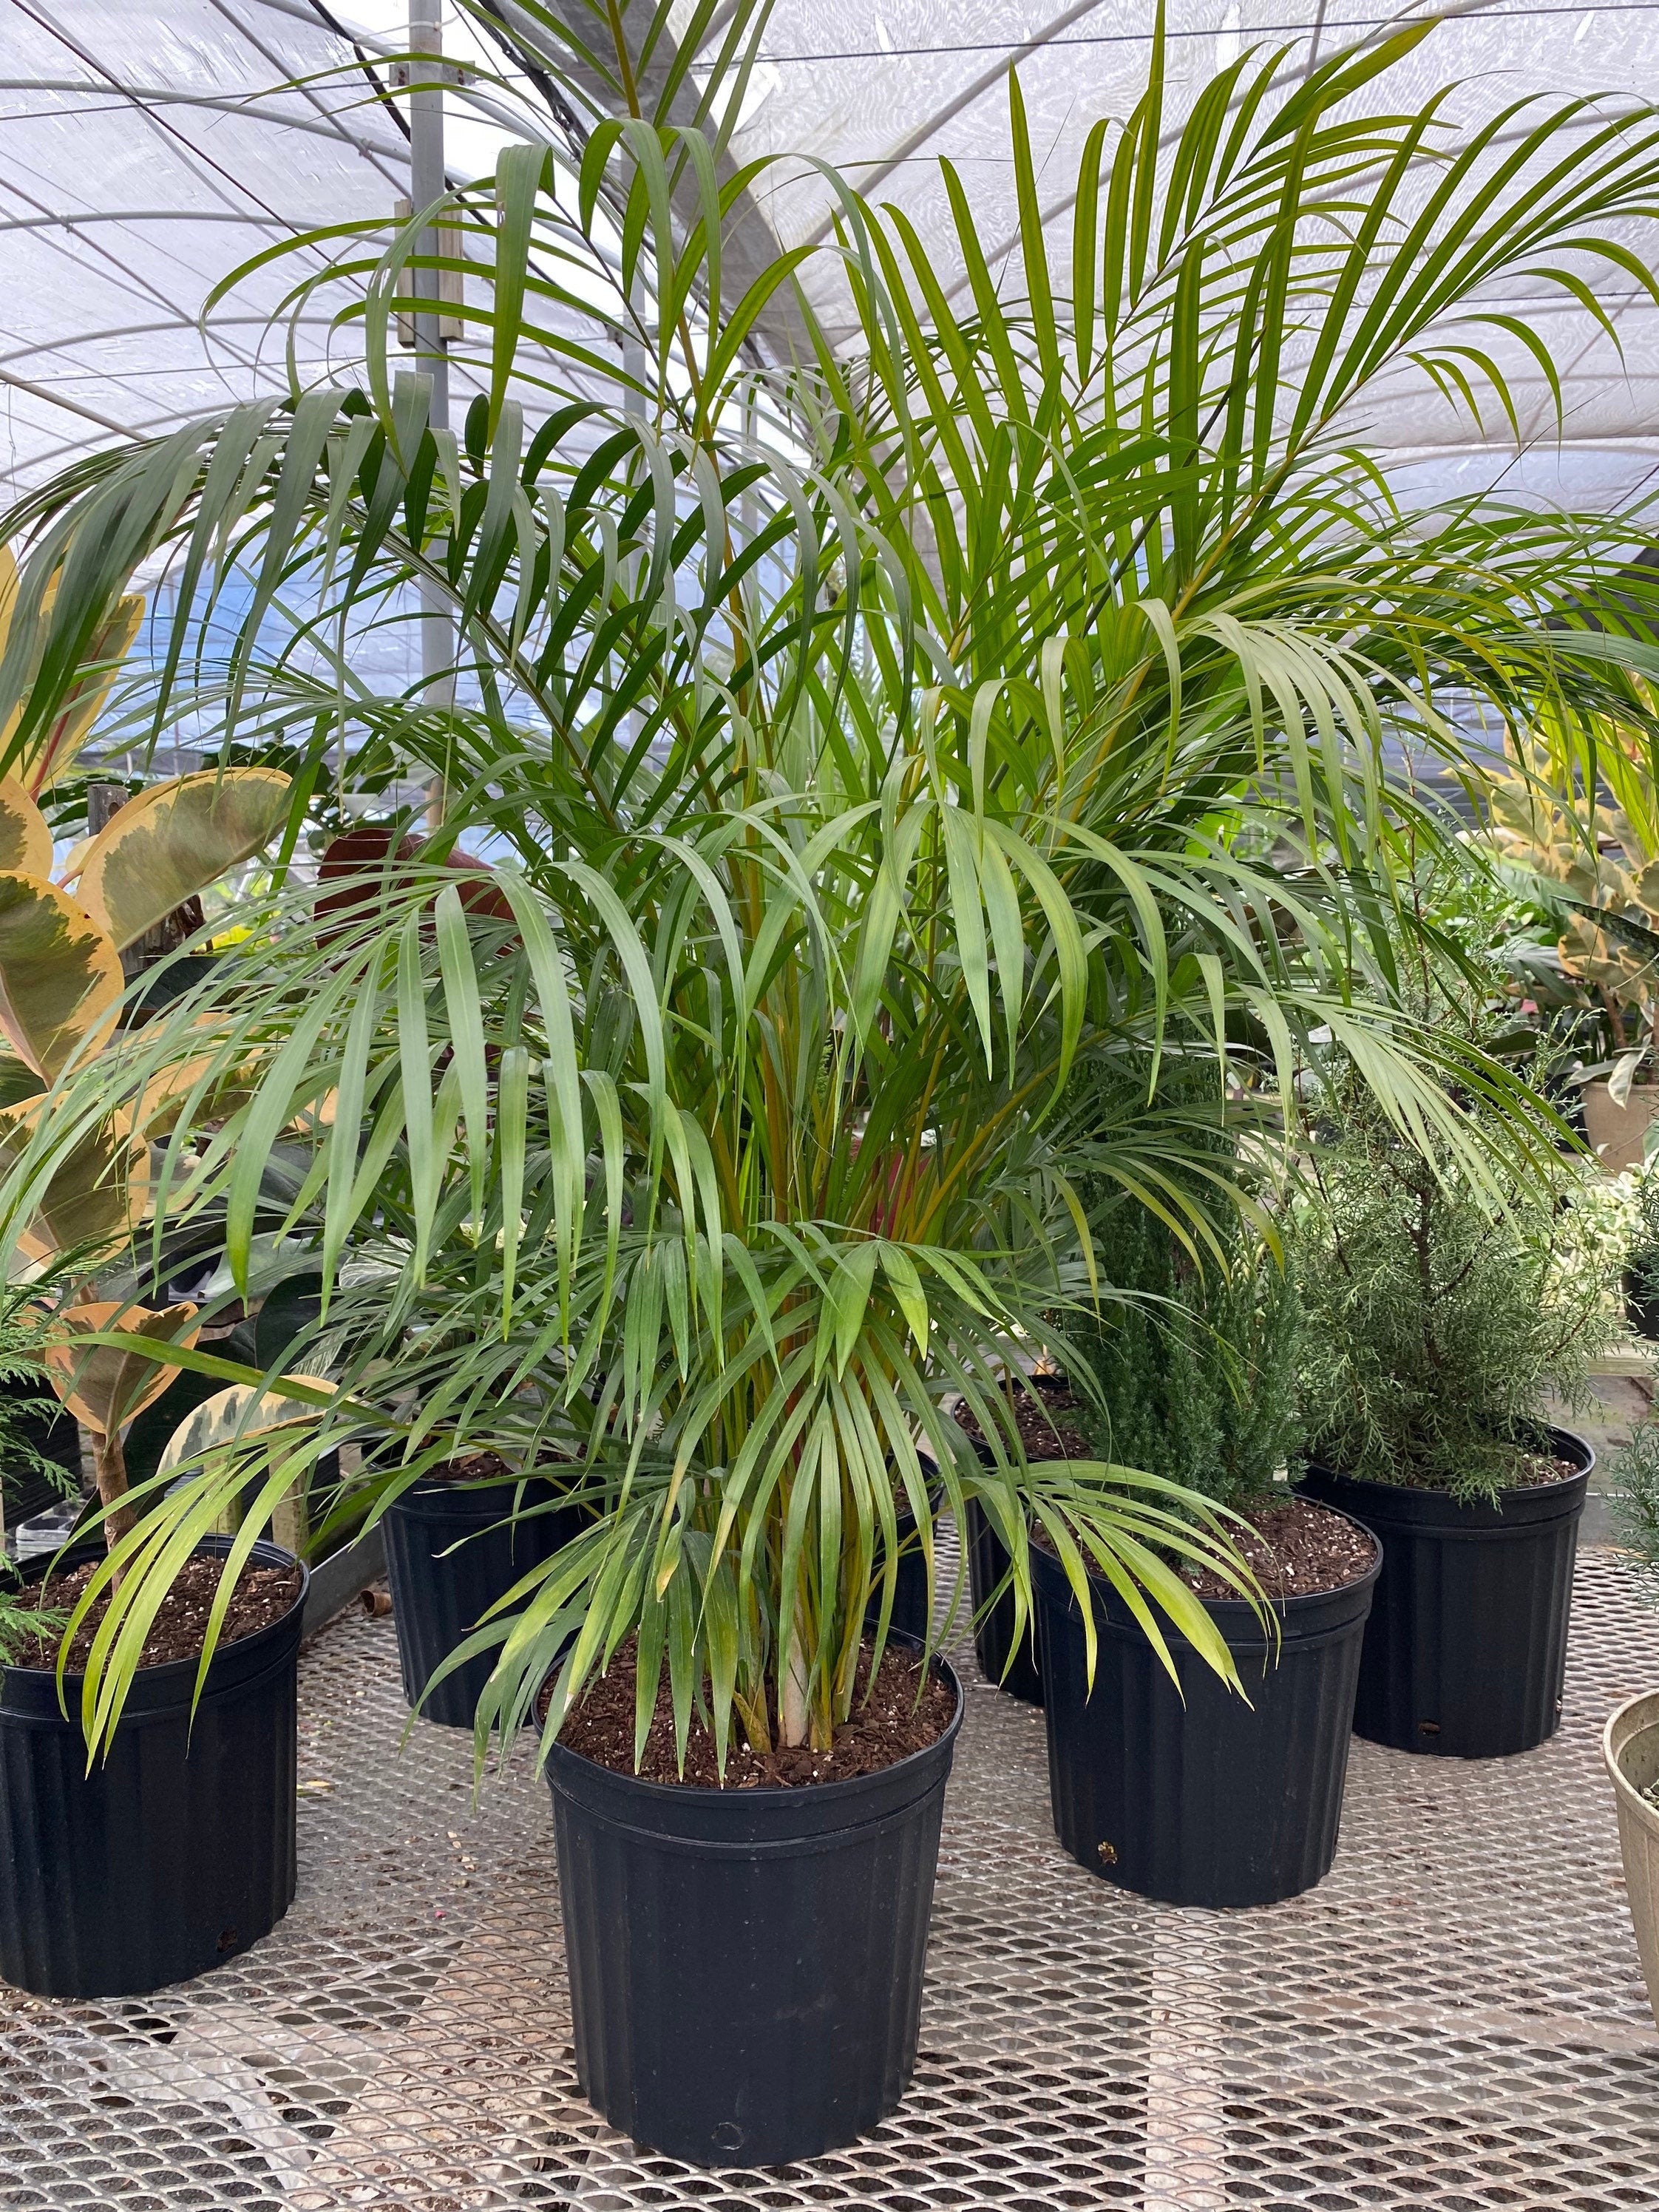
239	1411
58	751
173	840
102	1384
60	973
98	1196
166	1094
1645	887
7	592
25	840
1590	953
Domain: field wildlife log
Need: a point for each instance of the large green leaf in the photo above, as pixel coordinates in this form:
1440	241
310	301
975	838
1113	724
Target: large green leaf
94	1194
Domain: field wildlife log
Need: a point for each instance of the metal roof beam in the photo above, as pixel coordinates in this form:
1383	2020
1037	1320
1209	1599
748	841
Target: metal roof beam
143	214
160	95
149	330
488	108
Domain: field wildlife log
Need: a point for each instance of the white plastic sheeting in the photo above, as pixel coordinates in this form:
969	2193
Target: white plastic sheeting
142	157
147	148
884	87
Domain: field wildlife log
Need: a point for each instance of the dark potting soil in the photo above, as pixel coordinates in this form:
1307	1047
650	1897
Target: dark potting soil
890	1727
491	1467
262	1594
1294	1548
1044	1429
478	1466
1528	1471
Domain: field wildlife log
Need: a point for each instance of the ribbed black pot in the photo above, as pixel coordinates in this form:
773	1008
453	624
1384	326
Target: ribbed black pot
1465	1651
912	1590
1211	1800
52	1432
439	1594
994	1637
988	1563
745	1965
175	1852
1642	1300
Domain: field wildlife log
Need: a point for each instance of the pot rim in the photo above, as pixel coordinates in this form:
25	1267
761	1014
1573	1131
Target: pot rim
1624	1788
775	1792
265	1554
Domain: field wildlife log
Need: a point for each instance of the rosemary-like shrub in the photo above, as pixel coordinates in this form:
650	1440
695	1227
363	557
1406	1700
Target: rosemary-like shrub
1634	1498
1436	1321
1642	1264
26	1395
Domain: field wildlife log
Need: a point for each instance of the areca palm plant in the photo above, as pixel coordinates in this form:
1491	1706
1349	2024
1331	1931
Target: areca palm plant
1139	505
871	751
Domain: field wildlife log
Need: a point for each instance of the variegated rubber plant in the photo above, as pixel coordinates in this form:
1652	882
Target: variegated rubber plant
62	997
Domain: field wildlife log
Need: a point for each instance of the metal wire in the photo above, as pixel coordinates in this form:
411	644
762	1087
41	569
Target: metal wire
1453	2019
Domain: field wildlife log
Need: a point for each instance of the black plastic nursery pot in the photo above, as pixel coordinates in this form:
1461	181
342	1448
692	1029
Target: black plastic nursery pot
912	1587
1642	1301
994	1637
745	1965
1208	1802
1466	1650
440	1593
988	1563
178	1850
52	1433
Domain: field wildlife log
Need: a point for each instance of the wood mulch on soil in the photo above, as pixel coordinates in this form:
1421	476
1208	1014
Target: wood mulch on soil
1528	1471
262	1594
478	1467
1294	1548
889	1727
1534	1469
1043	1428
489	1467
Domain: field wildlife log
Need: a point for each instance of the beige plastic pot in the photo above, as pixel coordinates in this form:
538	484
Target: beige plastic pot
1630	1744
1617	1133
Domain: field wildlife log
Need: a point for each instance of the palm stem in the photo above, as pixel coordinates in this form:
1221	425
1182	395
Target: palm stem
110	1467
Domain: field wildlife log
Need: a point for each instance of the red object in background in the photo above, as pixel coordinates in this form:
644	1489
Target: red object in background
357	856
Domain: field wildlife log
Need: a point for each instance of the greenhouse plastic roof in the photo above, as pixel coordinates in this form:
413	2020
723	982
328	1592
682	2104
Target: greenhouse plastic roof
148	148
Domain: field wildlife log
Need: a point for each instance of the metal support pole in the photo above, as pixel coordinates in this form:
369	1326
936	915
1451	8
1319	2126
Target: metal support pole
426	183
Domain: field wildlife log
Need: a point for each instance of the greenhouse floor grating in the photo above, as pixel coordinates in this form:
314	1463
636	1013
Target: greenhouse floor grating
1453	2019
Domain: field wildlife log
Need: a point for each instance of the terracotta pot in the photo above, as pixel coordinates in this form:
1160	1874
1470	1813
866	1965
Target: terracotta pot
1630	1745
1617	1133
